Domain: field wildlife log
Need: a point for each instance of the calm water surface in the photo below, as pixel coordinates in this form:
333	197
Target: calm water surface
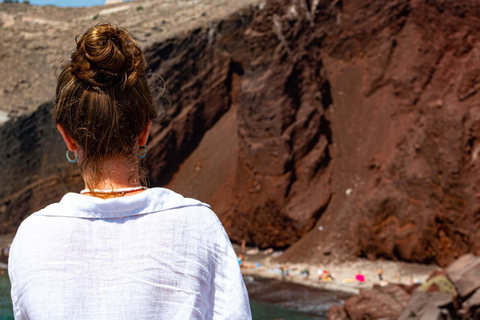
273	299
269	300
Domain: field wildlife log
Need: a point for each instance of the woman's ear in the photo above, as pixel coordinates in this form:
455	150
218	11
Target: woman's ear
142	139
71	145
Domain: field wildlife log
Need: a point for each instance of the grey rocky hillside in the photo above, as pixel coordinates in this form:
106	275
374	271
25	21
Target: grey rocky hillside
35	39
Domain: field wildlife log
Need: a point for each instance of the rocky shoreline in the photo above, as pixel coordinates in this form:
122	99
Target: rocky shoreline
408	291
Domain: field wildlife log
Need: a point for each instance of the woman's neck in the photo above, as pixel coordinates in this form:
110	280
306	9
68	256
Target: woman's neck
117	173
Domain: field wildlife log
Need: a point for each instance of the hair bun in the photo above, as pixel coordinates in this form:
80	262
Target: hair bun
107	55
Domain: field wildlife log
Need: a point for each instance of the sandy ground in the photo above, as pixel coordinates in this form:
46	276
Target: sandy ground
261	265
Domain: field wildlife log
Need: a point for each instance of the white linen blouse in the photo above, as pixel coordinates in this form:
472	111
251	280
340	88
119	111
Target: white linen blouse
152	255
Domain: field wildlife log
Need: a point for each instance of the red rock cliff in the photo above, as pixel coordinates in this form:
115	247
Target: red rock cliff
357	132
405	126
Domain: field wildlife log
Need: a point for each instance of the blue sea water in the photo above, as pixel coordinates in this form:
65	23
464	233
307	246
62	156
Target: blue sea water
264	311
269	300
283	300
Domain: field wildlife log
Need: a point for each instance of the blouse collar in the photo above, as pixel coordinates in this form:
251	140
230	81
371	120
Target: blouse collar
148	201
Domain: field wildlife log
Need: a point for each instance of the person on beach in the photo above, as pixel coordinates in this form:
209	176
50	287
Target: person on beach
305	273
283	271
380	274
240	259
360	277
4	252
326	276
319	274
118	250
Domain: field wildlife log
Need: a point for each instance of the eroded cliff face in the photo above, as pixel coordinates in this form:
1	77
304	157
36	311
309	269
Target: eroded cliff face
404	123
356	131
282	182
338	129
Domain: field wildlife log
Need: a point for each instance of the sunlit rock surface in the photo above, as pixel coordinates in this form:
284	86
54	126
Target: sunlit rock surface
451	293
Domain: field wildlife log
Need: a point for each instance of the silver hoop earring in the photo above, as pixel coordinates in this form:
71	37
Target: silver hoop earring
71	160
142	156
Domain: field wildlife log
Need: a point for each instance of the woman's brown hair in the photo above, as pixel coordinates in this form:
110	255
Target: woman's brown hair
103	100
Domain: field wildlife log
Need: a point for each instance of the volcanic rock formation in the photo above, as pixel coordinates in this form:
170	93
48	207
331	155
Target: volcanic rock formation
346	128
404	124
453	293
